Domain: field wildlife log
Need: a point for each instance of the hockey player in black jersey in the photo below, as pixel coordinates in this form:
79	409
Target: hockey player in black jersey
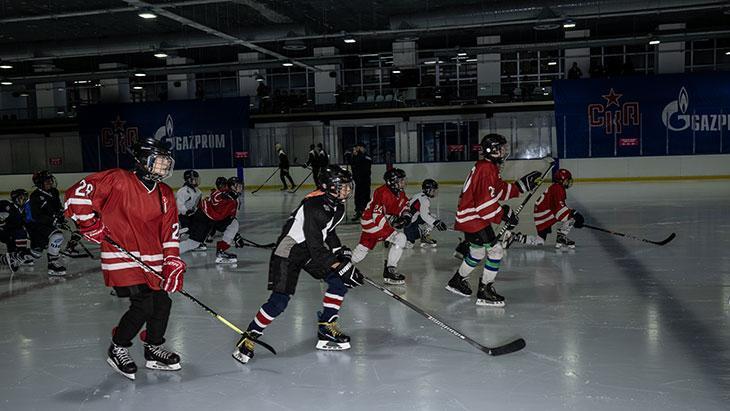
44	221
309	242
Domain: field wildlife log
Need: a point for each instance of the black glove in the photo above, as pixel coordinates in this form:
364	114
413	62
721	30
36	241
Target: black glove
579	220
528	182
509	217
350	275
401	221
238	241
439	225
343	253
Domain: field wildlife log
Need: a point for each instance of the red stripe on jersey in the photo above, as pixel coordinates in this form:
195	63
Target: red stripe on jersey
333	301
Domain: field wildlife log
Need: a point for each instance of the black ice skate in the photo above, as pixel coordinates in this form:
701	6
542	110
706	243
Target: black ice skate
488	296
462	250
11	260
119	359
392	276
564	242
159	358
427	241
331	338
200	248
222	257
55	268
245	346
459	285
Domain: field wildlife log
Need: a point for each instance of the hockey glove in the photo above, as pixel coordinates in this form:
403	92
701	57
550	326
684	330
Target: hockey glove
529	181
509	217
578	219
173	269
343	253
439	225
238	241
401	221
349	274
95	231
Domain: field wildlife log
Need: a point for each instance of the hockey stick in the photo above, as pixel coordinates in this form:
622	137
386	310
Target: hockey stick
508	348
524	202
183	292
659	243
244	242
302	183
267	180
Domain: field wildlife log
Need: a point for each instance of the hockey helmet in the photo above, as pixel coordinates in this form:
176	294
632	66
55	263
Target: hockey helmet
494	148
429	187
192	178
221	183
19	196
235	187
336	183
563	177
153	158
395	179
40	178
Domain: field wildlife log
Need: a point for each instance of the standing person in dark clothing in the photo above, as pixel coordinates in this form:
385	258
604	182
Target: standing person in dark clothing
313	162
323	157
284	168
44	220
361	172
575	73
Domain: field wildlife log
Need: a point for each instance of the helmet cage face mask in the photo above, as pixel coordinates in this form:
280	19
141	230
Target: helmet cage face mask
158	166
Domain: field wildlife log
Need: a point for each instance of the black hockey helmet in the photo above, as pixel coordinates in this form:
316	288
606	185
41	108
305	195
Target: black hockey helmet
192	178
395	179
336	183
235	187
429	187
19	196
221	182
43	176
153	158
494	148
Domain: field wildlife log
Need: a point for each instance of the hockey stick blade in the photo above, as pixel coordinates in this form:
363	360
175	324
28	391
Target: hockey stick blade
666	240
508	348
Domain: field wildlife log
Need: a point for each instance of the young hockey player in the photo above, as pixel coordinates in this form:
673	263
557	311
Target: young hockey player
389	201
188	198
136	210
422	221
44	219
284	168
11	222
478	209
217	212
309	242
550	209
19	197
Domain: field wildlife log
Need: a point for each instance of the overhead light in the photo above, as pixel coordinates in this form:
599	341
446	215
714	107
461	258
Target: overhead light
287	64
552	63
6	66
147	15
654	42
140	74
430	62
727	53
259	78
160	55
569	24
81	81
461	54
471	60
24	94
6	83
137	87
395	71
349	40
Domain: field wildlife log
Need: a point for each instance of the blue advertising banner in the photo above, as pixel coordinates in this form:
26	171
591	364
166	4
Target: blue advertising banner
672	114
202	133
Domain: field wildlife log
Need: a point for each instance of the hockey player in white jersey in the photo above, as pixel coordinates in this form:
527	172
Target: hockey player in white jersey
422	221
188	198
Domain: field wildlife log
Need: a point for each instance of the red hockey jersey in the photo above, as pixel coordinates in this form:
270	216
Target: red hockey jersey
219	206
479	200
142	221
550	207
383	204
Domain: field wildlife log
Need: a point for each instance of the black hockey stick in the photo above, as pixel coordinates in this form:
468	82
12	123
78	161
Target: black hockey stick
267	180
302	183
660	243
183	292
524	202
510	347
245	242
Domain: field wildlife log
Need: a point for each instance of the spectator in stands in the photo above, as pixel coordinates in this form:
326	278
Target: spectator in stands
574	73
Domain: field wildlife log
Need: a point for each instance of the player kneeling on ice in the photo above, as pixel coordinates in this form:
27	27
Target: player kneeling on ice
422	221
216	213
188	198
389	202
478	209
550	209
309	242
44	218
137	211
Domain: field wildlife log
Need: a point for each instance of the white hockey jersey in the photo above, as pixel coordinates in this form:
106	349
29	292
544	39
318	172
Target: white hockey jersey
187	199
420	206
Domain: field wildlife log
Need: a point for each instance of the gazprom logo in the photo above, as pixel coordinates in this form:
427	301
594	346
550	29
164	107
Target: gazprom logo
675	117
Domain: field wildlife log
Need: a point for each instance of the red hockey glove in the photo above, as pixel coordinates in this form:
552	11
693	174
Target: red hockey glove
173	269
95	231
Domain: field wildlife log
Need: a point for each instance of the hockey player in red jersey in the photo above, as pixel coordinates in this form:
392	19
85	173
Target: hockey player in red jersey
551	209
217	213
478	209
387	212
138	211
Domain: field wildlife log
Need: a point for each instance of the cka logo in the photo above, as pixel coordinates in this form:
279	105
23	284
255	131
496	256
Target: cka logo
675	117
614	115
119	136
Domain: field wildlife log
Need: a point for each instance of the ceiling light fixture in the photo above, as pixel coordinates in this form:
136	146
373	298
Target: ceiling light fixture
287	64
461	54
137	87
569	24
6	83
654	42
147	15
395	71
140	74
552	63
349	40
6	66
160	55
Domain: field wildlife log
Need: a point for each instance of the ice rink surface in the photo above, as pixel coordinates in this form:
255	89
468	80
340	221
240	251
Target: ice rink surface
616	324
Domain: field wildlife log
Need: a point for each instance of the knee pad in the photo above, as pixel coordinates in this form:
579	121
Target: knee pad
398	239
55	240
277	303
230	232
477	253
359	253
496	252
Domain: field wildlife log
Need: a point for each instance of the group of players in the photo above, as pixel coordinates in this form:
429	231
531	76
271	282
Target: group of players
137	219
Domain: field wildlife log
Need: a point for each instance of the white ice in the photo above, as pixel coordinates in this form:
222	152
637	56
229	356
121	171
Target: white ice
615	324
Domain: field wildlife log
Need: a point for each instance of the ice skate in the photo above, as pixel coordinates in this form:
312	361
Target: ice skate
119	359
331	338
393	277
427	241
202	248
564	242
56	269
159	358
487	296
459	285
222	257
11	261
245	346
